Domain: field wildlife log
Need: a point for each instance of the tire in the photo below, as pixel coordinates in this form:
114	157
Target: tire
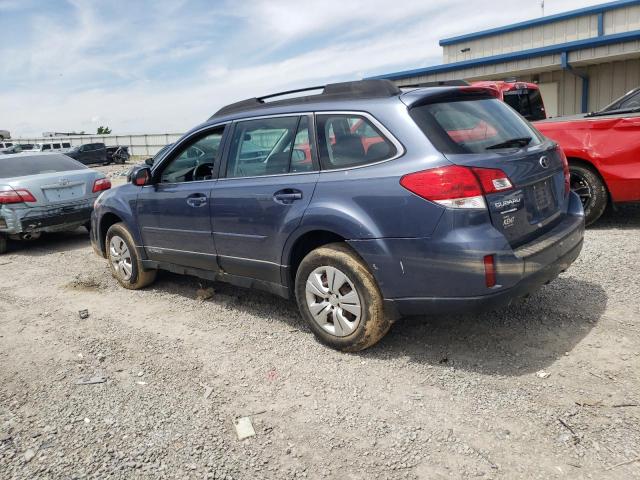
87	226
347	332
592	191
130	274
3	244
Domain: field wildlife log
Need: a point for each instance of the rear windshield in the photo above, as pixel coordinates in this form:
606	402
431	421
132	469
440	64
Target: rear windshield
23	165
527	103
473	126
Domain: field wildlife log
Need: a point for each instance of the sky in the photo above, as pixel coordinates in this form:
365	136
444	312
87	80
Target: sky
164	66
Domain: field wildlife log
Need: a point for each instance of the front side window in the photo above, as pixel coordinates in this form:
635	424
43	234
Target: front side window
46	147
270	146
349	140
473	126
56	145
66	145
196	160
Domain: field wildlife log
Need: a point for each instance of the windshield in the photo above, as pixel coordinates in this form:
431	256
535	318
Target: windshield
474	126
527	103
23	165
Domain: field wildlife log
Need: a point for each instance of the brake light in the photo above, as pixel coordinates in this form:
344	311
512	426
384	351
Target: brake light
19	195
101	184
492	179
456	186
567	174
490	270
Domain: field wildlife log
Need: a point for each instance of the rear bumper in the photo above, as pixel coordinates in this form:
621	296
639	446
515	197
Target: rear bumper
445	273
528	285
52	219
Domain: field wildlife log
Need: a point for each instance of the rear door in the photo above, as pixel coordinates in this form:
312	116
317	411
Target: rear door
270	176
174	211
484	133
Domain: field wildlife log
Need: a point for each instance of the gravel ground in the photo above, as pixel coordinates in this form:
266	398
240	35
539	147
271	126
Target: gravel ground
444	397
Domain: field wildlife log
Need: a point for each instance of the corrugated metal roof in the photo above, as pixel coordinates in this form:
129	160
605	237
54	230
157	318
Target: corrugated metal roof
523	54
541	21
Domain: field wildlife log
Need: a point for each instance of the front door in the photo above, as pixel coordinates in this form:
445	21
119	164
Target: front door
174	211
271	174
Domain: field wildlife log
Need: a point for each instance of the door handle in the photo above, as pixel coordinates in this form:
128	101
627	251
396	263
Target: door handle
287	196
197	200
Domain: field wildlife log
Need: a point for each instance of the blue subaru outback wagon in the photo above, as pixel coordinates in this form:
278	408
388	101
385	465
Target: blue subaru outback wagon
362	201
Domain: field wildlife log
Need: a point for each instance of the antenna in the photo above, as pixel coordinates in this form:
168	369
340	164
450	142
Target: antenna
542	6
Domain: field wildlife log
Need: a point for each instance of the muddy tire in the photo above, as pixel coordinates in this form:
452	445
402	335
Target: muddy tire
3	244
124	261
340	300
592	191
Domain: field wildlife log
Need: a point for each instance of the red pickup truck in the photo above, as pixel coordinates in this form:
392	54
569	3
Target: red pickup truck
603	149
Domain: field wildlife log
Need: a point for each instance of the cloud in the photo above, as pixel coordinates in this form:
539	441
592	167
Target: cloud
166	66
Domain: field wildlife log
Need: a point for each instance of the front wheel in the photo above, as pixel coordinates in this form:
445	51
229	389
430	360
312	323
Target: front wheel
340	300
592	191
124	262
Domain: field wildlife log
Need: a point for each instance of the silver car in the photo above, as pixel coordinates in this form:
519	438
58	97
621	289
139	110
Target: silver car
45	192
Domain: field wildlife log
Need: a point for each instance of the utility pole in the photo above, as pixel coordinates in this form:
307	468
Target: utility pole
542	6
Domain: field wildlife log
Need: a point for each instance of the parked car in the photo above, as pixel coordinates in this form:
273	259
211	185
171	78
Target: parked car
119	154
89	153
427	220
524	97
603	149
62	147
4	145
45	192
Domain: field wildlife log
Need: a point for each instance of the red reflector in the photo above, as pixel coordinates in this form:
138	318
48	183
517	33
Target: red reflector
101	184
493	179
490	270
567	174
10	195
442	183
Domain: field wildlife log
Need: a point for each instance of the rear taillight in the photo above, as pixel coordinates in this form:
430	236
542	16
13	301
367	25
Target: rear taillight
19	195
101	184
493	180
456	186
567	174
490	270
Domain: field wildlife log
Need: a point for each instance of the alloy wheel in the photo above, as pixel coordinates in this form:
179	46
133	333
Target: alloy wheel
581	187
120	258
333	301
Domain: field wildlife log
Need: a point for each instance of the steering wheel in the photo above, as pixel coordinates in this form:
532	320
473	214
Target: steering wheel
204	171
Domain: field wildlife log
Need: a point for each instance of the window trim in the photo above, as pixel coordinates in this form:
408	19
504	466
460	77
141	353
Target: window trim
400	150
169	155
312	139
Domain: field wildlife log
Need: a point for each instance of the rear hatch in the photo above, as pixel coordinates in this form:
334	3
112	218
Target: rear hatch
475	130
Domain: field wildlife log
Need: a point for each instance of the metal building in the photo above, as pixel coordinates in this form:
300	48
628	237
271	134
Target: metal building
582	59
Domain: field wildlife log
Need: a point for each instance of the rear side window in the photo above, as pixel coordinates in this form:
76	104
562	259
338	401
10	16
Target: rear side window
346	140
46	147
270	146
21	166
473	126
56	145
527	103
66	145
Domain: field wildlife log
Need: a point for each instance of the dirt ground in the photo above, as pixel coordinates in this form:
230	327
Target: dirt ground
547	388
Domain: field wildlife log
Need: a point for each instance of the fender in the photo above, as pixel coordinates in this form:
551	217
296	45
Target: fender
123	205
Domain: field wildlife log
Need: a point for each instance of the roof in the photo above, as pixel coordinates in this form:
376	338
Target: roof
604	7
519	55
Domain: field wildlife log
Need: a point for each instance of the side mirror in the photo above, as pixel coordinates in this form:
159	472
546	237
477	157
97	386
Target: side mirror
149	161
141	176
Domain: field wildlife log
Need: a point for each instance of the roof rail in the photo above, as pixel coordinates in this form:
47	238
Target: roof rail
331	91
441	83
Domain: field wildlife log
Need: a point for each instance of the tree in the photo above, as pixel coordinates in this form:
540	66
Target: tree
104	130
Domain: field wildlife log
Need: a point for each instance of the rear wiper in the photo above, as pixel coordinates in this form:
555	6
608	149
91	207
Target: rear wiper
613	112
512	142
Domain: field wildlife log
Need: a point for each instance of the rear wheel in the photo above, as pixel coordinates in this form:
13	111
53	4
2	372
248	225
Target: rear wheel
124	261
339	299
3	244
592	191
